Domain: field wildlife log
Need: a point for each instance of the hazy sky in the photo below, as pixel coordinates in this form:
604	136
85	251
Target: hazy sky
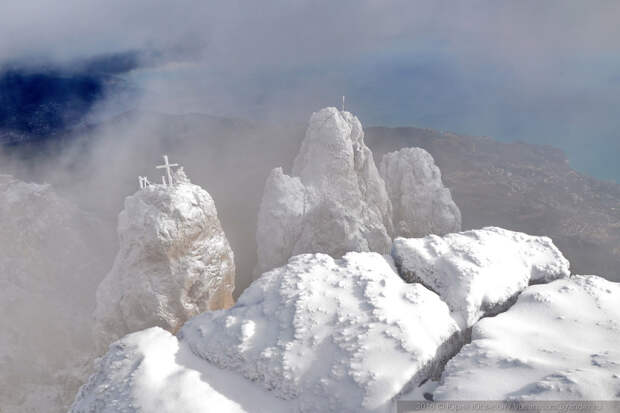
539	71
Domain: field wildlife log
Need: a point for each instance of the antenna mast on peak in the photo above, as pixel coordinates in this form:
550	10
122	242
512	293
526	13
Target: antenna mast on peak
343	103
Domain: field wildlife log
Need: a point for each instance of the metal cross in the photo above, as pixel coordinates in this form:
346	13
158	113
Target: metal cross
167	166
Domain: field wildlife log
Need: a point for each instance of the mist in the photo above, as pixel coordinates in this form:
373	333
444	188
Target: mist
541	73
93	94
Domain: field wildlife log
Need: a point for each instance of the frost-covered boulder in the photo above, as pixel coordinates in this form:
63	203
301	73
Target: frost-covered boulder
421	204
317	335
52	256
342	335
558	342
174	262
479	272
334	202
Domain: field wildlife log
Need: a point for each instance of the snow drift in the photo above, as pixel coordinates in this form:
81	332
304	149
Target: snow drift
558	342
174	262
480	272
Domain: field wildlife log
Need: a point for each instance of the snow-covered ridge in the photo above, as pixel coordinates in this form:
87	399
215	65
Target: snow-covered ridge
322	334
174	262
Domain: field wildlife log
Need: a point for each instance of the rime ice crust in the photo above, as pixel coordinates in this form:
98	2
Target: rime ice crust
174	262
317	335
420	202
334	335
334	202
560	341
479	272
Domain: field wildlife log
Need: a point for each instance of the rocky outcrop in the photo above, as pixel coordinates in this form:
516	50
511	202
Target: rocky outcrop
322	334
480	272
174	262
421	204
334	202
558	342
52	257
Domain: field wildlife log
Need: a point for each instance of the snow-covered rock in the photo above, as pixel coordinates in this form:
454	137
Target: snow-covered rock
560	341
334	202
52	256
421	204
317	335
334	335
151	371
479	272
174	262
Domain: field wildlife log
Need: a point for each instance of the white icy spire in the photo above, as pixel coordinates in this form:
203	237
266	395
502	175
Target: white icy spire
174	262
333	202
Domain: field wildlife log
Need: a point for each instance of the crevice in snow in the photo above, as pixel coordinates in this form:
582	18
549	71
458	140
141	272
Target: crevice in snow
453	346
433	369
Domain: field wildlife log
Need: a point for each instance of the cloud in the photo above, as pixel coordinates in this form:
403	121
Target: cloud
476	63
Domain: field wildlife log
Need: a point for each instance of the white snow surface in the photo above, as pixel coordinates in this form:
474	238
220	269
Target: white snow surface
560	341
479	272
316	335
174	262
152	371
334	202
421	204
51	260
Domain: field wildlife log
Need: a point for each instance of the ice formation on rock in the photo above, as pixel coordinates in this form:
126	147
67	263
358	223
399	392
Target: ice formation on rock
334	202
421	204
479	272
174	262
52	257
558	342
320	334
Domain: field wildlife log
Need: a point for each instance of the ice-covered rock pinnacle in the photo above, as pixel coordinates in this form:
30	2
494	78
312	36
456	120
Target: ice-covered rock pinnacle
420	202
174	262
335	201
